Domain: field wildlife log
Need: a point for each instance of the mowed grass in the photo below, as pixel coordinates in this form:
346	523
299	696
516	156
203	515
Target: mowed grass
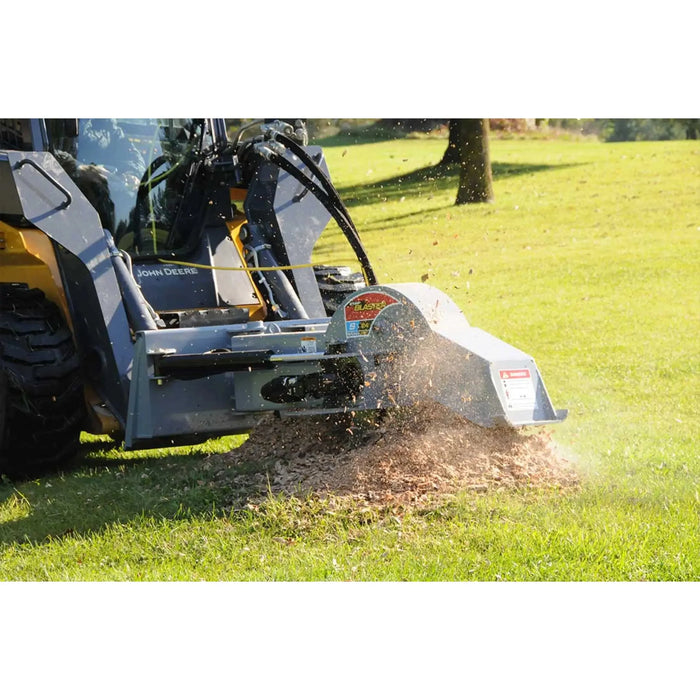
588	260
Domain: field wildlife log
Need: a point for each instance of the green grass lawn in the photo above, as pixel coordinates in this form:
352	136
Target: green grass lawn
589	260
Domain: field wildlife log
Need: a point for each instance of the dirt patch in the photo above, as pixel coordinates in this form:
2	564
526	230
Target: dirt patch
403	456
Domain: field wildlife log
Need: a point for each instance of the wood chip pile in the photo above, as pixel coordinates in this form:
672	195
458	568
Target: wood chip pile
403	457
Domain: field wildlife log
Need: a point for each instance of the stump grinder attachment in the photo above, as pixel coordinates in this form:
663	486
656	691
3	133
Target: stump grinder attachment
161	290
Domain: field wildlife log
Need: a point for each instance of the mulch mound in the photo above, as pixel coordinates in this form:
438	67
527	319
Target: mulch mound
403	456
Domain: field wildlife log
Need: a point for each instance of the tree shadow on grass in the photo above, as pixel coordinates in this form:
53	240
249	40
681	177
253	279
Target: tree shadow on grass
433	179
105	489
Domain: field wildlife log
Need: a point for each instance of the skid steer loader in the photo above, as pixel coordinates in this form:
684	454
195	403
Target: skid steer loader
157	285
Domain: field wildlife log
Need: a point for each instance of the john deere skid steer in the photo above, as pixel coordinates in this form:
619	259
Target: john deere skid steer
157	285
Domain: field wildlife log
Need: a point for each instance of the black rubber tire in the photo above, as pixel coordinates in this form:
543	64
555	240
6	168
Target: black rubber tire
335	284
42	405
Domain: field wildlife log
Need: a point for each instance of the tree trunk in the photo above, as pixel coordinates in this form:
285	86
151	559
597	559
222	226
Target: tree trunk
451	154
475	178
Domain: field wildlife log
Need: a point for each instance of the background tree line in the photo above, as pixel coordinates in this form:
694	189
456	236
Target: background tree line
468	140
603	129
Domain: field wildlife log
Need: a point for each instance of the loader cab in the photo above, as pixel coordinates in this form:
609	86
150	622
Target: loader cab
148	181
134	172
212	231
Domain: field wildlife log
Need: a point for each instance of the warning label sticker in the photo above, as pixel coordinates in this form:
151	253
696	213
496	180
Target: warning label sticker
308	344
362	312
519	389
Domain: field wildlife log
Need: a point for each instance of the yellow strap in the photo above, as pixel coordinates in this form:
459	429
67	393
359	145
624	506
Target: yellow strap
241	269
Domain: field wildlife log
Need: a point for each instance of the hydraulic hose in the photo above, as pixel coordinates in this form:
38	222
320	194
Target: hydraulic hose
311	164
352	234
346	226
